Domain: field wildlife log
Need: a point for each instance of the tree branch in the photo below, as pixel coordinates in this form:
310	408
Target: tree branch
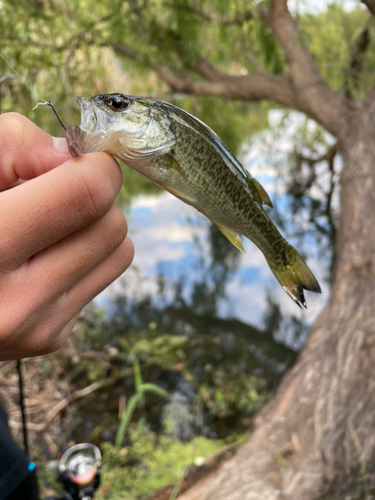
210	73
136	8
249	87
327	156
320	102
238	19
370	4
306	91
122	50
79	394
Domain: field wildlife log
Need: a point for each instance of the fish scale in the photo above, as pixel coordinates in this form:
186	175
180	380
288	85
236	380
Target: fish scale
202	168
185	157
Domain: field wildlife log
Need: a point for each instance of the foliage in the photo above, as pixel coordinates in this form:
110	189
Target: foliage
138	399
63	49
82	47
223	390
149	464
225	367
160	439
60	48
331	36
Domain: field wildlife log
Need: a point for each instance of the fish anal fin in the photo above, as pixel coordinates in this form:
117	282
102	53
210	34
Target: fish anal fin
232	236
263	193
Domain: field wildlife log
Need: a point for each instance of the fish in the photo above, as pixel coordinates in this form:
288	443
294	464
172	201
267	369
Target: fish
185	157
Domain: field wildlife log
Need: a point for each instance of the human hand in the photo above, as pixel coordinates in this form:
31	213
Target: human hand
62	240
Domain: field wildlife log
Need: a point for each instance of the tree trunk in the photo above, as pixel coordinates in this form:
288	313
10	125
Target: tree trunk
316	438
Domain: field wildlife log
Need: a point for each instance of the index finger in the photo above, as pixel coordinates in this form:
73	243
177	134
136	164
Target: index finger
45	210
26	151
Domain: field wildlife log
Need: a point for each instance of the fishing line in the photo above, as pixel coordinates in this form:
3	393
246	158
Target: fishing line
49	103
19	76
22	404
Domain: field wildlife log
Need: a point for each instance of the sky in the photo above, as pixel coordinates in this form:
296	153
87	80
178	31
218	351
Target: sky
314	6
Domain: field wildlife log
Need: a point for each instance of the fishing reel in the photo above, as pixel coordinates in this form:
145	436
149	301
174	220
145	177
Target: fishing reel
80	471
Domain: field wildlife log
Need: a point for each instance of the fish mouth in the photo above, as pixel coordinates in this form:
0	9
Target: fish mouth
88	115
93	126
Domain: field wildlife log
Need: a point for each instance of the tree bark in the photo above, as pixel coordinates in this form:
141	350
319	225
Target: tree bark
314	96
316	438
370	4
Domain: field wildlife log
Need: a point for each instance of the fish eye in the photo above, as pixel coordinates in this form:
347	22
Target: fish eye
117	103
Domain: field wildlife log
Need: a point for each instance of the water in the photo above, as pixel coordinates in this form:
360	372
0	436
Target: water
175	246
236	329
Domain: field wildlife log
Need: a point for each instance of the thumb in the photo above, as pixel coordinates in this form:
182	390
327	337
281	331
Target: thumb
26	151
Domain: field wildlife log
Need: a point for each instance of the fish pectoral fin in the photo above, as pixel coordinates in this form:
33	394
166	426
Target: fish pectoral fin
232	236
173	163
263	193
179	194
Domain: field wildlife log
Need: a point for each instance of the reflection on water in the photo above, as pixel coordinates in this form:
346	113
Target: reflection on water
178	249
176	245
211	325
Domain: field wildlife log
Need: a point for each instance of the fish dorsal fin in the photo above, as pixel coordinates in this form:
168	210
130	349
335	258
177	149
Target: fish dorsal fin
232	236
173	163
262	193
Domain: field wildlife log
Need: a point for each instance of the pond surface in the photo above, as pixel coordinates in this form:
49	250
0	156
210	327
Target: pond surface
237	331
178	248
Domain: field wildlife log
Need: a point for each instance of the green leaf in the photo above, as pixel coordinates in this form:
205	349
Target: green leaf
137	373
126	417
154	389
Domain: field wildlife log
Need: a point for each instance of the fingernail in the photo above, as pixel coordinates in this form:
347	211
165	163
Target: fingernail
60	144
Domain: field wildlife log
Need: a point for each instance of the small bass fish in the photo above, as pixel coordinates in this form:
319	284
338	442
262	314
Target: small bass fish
185	157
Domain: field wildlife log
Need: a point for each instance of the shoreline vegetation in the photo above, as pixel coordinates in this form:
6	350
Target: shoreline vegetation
79	394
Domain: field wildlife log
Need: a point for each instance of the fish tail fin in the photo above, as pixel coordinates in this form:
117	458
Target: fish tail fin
293	275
